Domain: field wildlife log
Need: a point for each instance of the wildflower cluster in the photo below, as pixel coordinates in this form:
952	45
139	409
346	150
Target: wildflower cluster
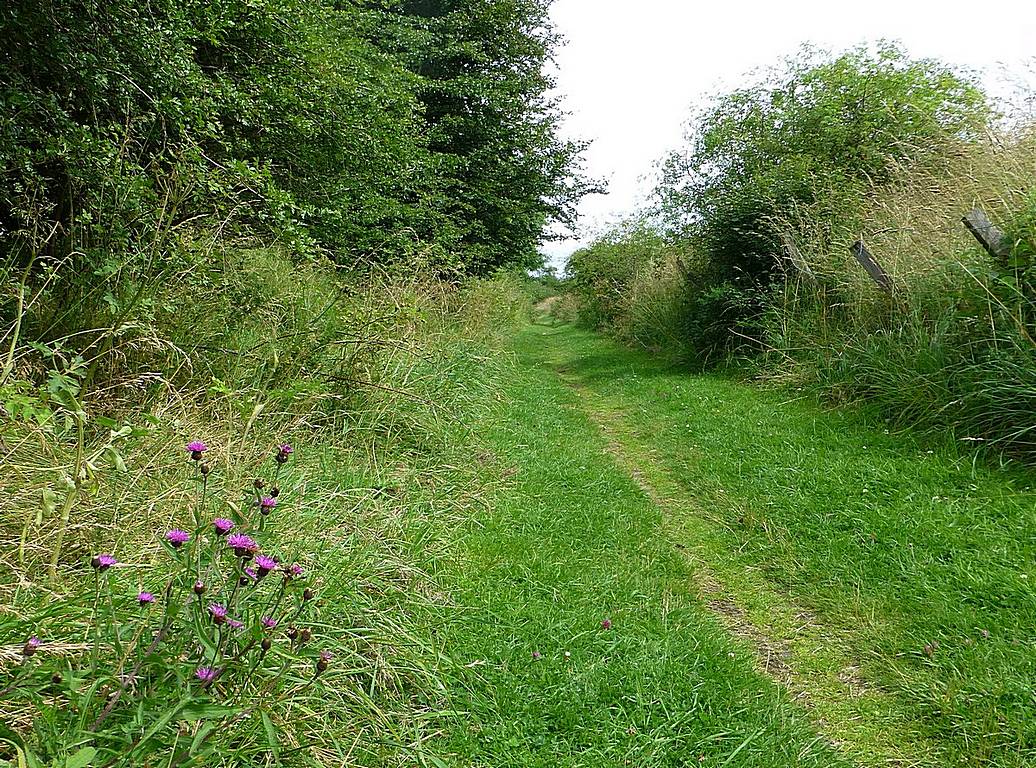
226	625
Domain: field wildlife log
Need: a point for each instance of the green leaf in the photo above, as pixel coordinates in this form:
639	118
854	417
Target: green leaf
203	711
271	736
81	759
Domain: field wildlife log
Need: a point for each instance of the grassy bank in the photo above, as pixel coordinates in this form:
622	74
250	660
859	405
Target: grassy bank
364	381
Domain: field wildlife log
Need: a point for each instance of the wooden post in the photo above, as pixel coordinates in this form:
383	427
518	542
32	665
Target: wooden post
872	266
991	238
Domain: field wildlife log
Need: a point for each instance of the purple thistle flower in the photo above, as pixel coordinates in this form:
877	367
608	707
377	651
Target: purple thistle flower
536	655
250	573
268	623
219	613
241	544
205	674
606	624
103	562
283	452
145	598
196	449
177	537
235	624
265	564
31	646
266	505
222	526
292	571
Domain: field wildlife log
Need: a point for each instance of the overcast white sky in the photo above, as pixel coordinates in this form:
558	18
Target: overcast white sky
630	72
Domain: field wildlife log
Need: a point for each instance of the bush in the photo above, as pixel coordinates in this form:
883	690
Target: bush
815	132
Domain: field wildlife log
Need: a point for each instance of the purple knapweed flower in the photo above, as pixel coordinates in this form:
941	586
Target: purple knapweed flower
283	452
222	526
536	655
145	598
31	646
268	623
323	660
292	571
250	573
196	449
265	564
266	505
177	538
606	624
235	624
103	562
241	544
218	613
205	674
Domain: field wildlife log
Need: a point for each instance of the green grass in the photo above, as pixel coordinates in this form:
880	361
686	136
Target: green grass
905	565
566	541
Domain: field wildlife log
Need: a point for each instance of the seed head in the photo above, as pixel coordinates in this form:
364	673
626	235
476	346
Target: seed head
305	635
275	491
307	594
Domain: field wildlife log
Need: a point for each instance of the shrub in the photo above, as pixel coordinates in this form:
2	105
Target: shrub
814	132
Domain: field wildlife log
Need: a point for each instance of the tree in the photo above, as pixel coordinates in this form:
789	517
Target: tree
492	128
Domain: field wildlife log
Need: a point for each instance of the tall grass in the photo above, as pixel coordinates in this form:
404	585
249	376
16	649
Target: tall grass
953	346
365	373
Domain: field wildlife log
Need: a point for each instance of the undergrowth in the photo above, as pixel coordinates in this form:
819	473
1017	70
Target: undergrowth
363	374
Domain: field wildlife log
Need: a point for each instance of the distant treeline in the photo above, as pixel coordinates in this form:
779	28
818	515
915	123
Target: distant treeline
746	250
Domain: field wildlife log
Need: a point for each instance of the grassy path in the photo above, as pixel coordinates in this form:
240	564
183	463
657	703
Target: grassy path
785	586
571	542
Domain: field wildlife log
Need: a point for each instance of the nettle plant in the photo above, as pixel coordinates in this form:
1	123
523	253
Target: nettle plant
190	666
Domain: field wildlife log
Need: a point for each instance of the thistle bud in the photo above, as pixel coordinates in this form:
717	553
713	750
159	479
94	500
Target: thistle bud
292	633
266	644
259	484
307	594
205	469
30	647
305	635
275	492
199	588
